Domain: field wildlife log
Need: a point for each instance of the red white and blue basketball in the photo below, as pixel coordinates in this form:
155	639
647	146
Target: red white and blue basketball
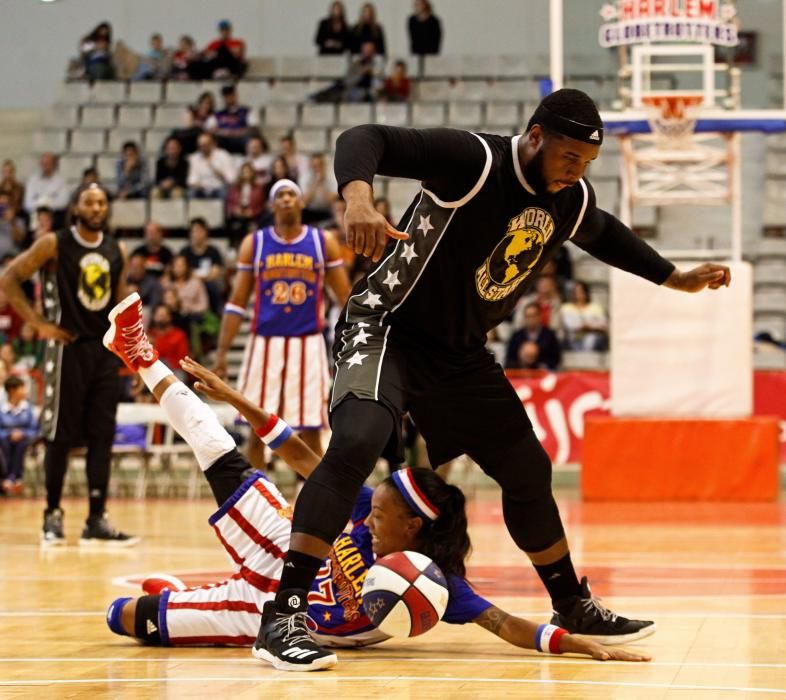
405	594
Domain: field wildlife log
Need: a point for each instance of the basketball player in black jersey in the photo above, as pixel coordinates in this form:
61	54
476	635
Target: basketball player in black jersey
83	276
491	212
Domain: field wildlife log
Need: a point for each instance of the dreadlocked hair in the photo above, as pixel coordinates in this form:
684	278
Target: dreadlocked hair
571	104
444	540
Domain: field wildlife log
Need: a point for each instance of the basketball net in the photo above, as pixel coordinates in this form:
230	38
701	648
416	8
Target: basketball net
672	118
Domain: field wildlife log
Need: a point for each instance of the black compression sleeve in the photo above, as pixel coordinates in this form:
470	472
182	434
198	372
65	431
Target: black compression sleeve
449	161
606	238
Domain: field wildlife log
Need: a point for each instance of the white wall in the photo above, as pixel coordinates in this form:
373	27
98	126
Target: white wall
38	38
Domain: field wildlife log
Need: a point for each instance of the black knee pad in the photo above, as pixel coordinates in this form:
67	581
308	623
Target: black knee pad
146	619
361	429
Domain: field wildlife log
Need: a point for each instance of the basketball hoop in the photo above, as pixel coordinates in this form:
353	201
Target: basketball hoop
672	118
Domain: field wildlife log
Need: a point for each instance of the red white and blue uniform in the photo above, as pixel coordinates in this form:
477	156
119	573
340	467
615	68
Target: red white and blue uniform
253	526
285	367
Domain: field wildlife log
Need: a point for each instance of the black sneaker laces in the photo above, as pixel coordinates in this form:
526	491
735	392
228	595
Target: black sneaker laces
593	604
294	628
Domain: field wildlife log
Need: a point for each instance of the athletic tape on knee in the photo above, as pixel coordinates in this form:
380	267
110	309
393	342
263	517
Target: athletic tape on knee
113	614
196	423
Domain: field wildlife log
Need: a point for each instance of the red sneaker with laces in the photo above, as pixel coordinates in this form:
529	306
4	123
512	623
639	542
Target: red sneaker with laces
126	336
156	583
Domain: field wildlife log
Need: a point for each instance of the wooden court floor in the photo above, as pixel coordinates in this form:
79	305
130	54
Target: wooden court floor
712	576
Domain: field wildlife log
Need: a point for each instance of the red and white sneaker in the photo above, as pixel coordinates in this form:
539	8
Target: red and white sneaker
126	336
156	583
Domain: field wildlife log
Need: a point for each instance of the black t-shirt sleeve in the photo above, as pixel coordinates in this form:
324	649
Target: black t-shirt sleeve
606	238
214	255
449	162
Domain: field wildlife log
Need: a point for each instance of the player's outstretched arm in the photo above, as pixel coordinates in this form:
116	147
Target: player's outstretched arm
523	633
293	450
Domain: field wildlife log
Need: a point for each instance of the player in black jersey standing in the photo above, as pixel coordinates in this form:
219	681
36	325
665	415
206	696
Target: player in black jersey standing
83	276
491	212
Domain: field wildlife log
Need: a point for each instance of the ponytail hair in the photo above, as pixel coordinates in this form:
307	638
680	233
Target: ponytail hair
445	540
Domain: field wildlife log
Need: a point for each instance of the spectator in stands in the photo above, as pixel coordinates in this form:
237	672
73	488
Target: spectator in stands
259	158
226	55
382	205
398	86
210	170
96	51
12	228
171	171
146	282
319	190
156	63
583	322
548	299
28	348
45	222
234	124
10	321
172	301
425	30
365	77
297	163
206	261
333	34
187	62
11	187
170	341
535	346
195	120
18	428
194	302
47	188
245	203
368	29
131	173
158	257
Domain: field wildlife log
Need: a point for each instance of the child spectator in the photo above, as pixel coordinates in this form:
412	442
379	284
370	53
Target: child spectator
171	171
398	86
45	222
194	302
156	63
18	428
187	63
333	35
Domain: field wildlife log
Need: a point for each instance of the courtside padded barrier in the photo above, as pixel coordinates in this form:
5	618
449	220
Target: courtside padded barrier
653	459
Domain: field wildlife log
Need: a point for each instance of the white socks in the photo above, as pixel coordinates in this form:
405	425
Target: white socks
194	421
152	375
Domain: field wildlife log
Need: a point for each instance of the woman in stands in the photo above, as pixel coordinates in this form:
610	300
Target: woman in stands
413	509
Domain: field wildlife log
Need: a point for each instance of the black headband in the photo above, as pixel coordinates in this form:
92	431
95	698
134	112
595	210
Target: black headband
587	133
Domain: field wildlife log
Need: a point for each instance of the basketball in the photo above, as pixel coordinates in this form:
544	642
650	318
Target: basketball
405	594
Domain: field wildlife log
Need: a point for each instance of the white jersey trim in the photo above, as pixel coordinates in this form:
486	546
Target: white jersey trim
583	211
467	197
284	241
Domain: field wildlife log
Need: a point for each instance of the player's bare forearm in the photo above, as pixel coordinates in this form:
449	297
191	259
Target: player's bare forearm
512	629
22	268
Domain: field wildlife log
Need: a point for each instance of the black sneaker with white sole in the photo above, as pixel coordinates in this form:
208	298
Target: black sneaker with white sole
99	533
52	531
585	615
283	638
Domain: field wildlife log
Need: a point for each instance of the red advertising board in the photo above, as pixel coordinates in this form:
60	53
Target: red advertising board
557	404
